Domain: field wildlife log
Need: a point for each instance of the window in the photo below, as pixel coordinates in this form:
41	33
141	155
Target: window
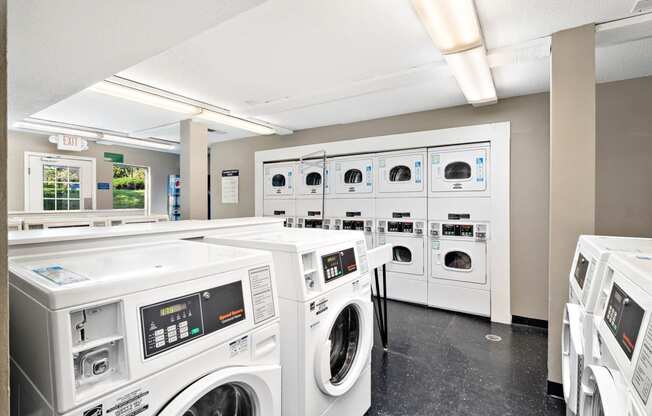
129	186
61	188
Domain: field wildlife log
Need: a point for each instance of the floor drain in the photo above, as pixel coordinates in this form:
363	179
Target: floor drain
493	338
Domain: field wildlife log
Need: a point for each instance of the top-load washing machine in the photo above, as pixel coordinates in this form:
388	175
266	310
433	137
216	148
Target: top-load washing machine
620	383
353	176
279	180
579	329
326	318
460	170
168	329
401	174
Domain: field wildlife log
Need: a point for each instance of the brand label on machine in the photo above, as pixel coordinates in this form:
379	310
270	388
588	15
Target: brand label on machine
362	256
57	274
130	404
239	346
262	293
642	378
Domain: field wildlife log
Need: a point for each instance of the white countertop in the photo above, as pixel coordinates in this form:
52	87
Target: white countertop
68	234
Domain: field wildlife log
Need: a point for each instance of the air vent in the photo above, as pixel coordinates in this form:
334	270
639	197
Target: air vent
642	6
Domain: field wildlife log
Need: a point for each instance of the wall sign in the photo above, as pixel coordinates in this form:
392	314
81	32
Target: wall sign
114	157
230	186
70	143
103	186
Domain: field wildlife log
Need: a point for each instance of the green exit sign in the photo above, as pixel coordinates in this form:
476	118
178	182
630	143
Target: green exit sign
114	157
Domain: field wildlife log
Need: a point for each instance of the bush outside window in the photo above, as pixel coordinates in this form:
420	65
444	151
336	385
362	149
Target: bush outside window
129	186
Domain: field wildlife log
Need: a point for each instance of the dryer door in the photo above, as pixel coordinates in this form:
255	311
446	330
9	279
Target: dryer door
572	355
312	178
455	171
343	356
279	180
407	254
400	173
354	177
461	261
599	394
237	391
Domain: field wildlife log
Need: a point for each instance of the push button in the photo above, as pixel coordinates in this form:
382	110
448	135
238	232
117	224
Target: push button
100	366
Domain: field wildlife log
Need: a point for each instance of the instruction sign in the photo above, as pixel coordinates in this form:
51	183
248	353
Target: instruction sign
263	297
59	275
642	378
230	183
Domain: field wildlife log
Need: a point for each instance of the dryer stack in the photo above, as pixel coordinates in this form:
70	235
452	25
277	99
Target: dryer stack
314	185
401	215
459	211
279	191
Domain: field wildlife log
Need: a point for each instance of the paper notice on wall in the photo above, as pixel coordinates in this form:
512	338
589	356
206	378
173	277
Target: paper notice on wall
230	186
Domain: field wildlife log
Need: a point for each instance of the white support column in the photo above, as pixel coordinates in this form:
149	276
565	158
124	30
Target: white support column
194	171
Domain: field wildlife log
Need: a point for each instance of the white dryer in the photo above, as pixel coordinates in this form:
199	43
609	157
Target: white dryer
351	214
279	180
353	176
174	328
620	383
281	208
326	318
459	276
580	347
309	213
314	179
461	170
401	174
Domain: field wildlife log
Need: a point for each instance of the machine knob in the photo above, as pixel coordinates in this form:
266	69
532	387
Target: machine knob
206	295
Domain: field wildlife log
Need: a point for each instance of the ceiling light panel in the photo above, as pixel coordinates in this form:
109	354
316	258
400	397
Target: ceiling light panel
235	122
471	70
136	142
142	97
55	129
452	24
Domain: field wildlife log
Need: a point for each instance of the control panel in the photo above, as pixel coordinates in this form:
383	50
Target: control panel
310	223
581	267
623	317
457	230
338	264
168	324
462	231
400	227
353	225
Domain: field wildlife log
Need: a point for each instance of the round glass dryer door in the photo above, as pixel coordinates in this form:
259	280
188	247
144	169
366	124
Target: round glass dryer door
313	179
344	340
226	400
353	176
278	180
401	254
400	173
458	260
600	395
457	171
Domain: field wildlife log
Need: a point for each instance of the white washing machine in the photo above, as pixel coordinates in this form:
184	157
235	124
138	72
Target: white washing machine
459	276
313	179
620	383
309	213
402	224
173	328
579	328
401	174
279	180
351	214
326	318
281	208
353	176
461	170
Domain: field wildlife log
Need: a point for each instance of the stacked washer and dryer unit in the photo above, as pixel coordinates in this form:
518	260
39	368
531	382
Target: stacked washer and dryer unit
169	329
589	285
433	205
279	188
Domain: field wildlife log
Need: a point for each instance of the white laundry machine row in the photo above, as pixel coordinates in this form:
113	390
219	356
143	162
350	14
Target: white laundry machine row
351	215
402	223
620	383
281	208
309	213
326	318
172	328
459	171
579	334
314	179
401	174
353	177
279	180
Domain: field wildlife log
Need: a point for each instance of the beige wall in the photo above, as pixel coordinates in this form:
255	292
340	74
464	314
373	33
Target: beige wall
529	211
161	165
624	158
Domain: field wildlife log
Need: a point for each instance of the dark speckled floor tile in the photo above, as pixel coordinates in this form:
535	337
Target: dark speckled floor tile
440	363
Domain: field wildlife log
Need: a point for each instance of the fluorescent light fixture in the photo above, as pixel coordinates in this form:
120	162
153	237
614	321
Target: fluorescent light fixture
136	142
471	70
142	97
235	122
452	24
55	129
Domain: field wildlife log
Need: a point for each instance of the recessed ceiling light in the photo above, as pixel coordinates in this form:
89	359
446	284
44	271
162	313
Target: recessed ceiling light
142	97
452	24
55	129
471	70
136	142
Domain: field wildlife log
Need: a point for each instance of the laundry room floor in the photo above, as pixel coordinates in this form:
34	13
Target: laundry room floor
440	363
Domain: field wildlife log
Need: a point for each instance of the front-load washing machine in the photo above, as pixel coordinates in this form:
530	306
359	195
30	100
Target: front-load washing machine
353	176
352	215
172	328
461	170
279	180
401	174
313	179
402	224
579	330
459	276
620	383
281	208
326	318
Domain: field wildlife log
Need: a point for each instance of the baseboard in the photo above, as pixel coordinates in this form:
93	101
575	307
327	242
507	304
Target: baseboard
555	390
521	320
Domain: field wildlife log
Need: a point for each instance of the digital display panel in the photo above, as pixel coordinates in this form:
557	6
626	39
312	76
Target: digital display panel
400	227
624	316
171	309
581	267
457	230
338	264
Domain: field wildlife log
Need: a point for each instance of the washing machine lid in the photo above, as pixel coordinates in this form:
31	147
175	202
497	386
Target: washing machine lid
602	246
600	395
60	280
572	354
292	240
637	267
239	391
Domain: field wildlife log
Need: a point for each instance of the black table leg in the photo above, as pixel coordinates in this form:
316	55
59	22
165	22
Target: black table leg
380	306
